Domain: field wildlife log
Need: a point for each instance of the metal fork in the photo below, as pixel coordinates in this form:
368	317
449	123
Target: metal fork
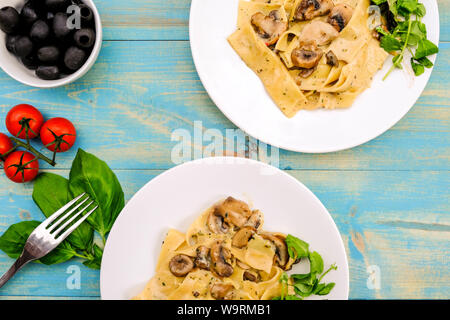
47	236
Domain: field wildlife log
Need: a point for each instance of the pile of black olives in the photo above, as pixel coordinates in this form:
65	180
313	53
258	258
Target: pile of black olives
41	37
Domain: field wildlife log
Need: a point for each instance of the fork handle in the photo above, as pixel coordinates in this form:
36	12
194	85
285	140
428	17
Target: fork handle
20	262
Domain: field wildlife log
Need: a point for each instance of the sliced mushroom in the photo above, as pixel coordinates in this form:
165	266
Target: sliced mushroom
306	56
320	32
255	220
233	211
242	237
340	15
222	291
305	73
217	224
181	265
252	275
281	250
269	27
242	265
222	259
202	260
309	9
332	60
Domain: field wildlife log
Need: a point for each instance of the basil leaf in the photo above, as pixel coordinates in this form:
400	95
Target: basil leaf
14	239
50	193
417	67
316	262
96	261
297	248
93	176
390	44
324	290
425	48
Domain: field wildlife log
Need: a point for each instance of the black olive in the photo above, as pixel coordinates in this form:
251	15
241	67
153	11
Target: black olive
39	31
74	58
48	54
48	72
86	13
11	43
57	5
31	62
84	38
28	15
23	46
60	28
9	20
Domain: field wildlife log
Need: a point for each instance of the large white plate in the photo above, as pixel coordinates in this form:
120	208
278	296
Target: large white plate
240	95
175	198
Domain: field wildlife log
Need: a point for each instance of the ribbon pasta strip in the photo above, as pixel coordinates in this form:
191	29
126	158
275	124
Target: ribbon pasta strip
225	254
326	85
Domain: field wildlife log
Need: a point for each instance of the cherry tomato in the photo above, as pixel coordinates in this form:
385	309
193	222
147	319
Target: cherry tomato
58	134
21	166
24	120
5	144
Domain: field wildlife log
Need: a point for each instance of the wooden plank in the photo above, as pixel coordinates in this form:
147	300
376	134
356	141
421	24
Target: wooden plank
397	221
169	19
139	93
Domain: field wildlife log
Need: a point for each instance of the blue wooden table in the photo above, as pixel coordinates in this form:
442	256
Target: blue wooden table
389	197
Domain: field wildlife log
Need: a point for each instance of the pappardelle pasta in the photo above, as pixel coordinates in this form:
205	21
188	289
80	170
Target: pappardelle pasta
225	255
309	54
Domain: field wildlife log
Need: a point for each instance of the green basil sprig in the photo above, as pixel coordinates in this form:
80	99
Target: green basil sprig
88	174
307	284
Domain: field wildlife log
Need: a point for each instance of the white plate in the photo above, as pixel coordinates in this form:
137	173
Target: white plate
240	95
175	198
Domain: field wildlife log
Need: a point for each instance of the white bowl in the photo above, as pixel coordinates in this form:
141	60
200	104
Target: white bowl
14	67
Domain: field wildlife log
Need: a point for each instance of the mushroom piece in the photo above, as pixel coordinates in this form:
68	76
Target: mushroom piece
255	220
340	15
320	32
233	211
202	260
181	265
222	291
252	275
332	60
305	73
269	27
306	56
221	258
242	237
217	224
281	250
309	9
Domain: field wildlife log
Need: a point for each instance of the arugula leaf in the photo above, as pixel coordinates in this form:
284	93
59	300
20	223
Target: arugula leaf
390	44
417	67
425	62
324	289
316	262
297	248
406	7
13	241
92	175
420	11
50	193
425	48
378	2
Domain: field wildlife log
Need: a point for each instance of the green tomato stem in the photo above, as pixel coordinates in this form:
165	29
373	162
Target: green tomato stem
30	148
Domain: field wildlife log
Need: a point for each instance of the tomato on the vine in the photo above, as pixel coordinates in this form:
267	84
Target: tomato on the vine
6	145
21	166
24	121
58	134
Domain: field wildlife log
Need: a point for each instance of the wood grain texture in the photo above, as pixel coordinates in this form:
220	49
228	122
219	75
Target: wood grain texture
138	93
388	197
389	219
